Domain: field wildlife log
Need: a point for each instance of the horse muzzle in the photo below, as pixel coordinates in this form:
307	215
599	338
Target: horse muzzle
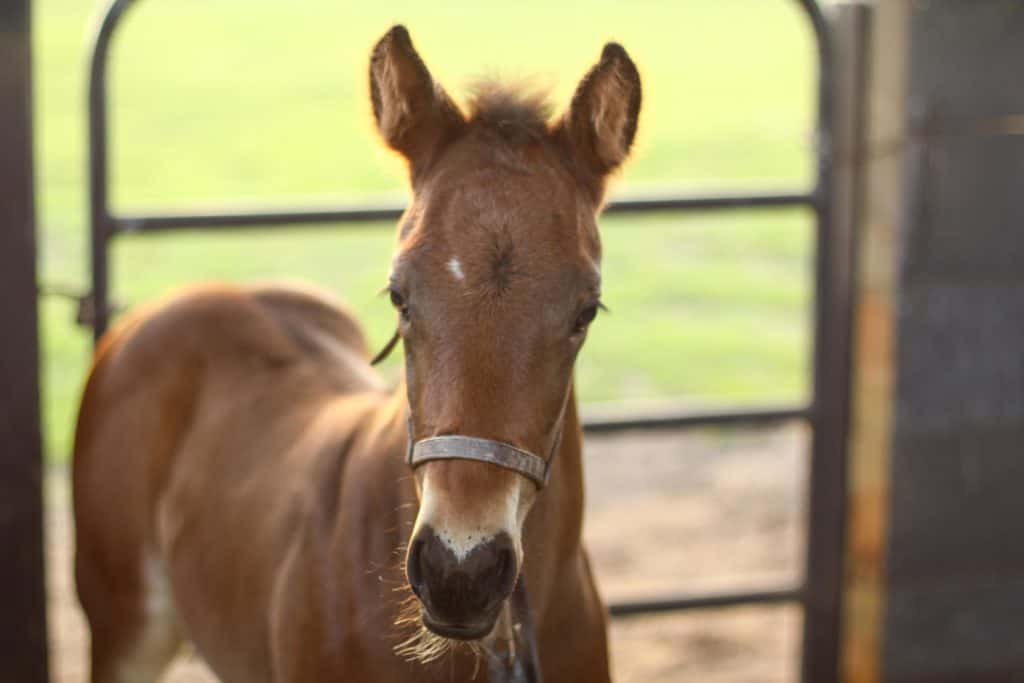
461	596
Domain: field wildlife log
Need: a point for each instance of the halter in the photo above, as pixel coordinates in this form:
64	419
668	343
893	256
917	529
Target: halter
518	662
514	658
458	447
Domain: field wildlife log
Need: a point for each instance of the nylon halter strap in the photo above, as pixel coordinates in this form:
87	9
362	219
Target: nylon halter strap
457	447
507	456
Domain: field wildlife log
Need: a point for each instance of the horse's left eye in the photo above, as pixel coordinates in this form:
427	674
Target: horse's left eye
585	317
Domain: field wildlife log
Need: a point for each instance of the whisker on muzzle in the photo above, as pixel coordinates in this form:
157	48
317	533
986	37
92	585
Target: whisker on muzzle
417	643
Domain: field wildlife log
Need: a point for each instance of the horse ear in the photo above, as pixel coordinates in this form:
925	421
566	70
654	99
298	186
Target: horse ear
601	122
413	114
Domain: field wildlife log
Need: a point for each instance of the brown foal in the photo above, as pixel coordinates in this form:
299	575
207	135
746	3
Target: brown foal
241	474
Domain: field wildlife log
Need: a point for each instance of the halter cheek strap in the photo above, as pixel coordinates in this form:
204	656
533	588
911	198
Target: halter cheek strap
457	447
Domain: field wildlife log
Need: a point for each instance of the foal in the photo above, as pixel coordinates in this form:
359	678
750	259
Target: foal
242	478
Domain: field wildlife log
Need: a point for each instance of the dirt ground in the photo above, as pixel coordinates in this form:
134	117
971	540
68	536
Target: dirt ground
690	512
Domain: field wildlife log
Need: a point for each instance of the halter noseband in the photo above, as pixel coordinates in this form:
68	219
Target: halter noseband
529	465
458	447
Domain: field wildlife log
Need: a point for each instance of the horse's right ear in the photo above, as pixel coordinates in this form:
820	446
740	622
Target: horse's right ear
413	114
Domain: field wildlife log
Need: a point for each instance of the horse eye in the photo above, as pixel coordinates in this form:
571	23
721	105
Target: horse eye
398	301
585	317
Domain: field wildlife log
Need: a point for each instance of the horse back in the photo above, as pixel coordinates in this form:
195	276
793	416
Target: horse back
216	392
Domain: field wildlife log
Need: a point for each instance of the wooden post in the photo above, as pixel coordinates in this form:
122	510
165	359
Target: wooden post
954	566
23	651
935	567
879	156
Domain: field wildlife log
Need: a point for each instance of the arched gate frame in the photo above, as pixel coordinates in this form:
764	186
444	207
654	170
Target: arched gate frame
825	414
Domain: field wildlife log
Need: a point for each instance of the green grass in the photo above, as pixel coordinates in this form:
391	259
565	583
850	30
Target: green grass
254	101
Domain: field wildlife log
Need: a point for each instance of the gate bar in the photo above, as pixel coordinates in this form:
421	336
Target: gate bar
839	190
286	218
769	596
763	417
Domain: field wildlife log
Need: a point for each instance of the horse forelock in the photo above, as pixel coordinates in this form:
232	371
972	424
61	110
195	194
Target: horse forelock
516	110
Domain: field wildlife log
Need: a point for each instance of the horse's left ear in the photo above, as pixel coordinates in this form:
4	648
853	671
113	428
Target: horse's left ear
601	122
413	114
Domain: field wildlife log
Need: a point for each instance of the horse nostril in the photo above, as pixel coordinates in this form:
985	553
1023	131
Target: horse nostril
507	571
414	566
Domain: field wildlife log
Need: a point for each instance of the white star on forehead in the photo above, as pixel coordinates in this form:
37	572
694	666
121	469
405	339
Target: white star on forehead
455	268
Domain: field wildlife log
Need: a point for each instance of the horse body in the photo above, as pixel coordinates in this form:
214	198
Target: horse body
240	472
251	496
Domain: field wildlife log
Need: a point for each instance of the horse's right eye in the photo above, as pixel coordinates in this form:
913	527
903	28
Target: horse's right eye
398	301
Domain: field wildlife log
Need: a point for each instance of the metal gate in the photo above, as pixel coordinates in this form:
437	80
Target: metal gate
825	414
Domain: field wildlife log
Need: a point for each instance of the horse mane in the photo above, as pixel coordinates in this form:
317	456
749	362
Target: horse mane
516	110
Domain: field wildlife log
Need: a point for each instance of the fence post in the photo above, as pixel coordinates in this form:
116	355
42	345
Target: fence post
849	26
880	157
22	576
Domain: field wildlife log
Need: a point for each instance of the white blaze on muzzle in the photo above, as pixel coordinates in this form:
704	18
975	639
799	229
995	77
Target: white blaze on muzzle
459	535
462	533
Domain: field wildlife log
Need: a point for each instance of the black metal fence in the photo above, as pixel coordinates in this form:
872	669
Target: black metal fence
819	592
